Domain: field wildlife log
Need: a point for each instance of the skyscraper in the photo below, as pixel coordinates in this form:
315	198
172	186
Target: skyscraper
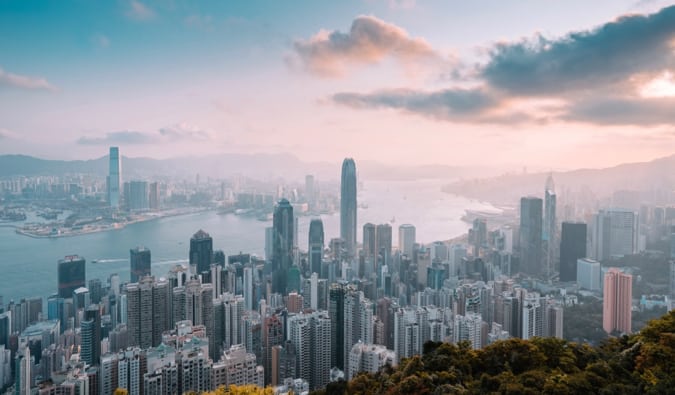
406	239
153	196
148	311
617	300
201	252
139	259
114	178
530	235
138	198
369	240
614	234
572	248
90	329
336	311
71	275
550	229
282	254
348	205
383	244
316	240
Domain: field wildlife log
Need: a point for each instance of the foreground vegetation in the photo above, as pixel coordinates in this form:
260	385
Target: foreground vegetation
642	363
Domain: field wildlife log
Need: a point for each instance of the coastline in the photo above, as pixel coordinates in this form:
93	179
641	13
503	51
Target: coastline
112	227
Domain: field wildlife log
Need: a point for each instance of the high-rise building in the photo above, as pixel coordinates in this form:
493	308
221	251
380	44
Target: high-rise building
199	310
282	255
237	367
138	199
316	242
617	300
588	274
114	178
572	248
336	311
348	205
71	275
139	259
153	196
311	338
383	242
406	239
369	240
549	226
90	332
148	311
614	234
530	235
273	335
201	252
358	321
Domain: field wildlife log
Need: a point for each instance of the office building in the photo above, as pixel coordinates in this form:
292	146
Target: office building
316	243
153	196
614	234
406	239
138	198
71	275
282	245
114	177
531	236
550	236
572	248
201	252
588	274
383	243
348	206
617	301
369	240
90	333
139	259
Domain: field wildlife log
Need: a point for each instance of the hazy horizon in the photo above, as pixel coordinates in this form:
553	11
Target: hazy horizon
405	82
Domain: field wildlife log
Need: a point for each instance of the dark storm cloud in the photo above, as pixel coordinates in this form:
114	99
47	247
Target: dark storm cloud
623	111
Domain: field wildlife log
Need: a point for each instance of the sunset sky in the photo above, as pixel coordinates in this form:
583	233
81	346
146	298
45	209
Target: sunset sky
561	84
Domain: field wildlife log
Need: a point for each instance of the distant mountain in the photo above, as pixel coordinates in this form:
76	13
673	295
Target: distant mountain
257	166
651	180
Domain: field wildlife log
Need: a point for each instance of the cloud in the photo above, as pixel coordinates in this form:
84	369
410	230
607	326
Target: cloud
369	41
8	79
185	131
8	134
619	73
606	56
139	11
122	137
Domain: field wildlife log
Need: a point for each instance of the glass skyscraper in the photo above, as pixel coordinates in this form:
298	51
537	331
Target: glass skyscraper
348	205
282	244
531	235
114	178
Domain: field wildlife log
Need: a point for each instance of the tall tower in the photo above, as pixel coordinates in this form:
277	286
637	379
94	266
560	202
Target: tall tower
282	245
201	252
406	239
114	178
369	239
90	330
383	244
549	231
617	299
316	240
71	275
139	259
348	205
572	248
530	235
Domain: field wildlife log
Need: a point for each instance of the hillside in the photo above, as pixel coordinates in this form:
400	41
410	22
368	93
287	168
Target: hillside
650	178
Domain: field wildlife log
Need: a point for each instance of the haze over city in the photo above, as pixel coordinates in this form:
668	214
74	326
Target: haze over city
349	197
426	82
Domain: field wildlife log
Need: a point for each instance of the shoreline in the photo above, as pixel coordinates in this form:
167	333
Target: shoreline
112	227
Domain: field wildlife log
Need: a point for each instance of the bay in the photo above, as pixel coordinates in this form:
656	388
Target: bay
28	265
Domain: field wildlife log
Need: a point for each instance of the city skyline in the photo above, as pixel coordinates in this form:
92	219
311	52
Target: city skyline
406	72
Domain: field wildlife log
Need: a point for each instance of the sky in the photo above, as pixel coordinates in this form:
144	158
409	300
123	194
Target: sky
554	84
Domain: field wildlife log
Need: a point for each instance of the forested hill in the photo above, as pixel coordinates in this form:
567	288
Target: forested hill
642	363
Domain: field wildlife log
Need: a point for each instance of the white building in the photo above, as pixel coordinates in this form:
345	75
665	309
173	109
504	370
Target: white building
369	358
237	367
588	274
